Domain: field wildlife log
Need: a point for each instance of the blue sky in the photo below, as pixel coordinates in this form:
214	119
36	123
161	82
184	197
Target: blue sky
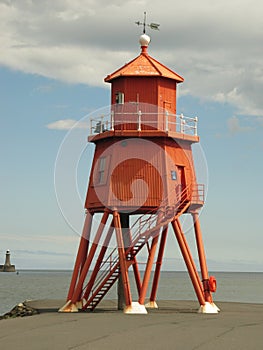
54	57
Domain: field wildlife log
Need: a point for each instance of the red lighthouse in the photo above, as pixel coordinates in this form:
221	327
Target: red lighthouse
142	181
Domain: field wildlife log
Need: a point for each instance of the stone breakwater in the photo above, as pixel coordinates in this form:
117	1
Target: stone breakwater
20	310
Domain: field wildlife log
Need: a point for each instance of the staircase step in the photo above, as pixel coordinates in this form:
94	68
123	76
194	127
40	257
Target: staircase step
142	238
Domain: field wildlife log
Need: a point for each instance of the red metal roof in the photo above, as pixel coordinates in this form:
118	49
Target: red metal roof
144	65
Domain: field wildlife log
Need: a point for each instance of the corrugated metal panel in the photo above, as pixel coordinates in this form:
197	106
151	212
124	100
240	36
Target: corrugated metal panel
130	169
141	89
138	179
183	162
141	186
138	174
158	92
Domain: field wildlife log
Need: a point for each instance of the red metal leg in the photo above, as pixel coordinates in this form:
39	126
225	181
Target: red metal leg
127	239
202	258
98	262
137	275
77	293
158	264
122	258
190	255
82	254
148	269
188	261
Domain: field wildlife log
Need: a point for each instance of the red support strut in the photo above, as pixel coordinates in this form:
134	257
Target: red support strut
158	265
147	273
77	293
202	258
99	261
82	254
122	259
188	261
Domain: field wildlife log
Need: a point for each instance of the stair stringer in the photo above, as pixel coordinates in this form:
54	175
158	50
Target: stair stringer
109	278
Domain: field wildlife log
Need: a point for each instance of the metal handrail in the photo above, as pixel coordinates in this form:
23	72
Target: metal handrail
198	193
162	121
150	223
147	225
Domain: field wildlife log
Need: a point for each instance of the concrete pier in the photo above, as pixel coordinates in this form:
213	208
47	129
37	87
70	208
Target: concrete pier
175	325
7	267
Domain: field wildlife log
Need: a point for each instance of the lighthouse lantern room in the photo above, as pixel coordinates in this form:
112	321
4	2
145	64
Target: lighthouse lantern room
142	181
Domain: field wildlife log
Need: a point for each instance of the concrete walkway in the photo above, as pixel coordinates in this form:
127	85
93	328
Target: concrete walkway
175	325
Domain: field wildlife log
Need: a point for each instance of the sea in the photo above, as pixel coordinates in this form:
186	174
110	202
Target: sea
244	287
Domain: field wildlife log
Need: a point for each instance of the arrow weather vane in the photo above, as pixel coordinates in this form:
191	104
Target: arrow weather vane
154	26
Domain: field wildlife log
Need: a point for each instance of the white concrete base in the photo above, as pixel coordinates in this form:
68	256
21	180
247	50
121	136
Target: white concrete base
79	304
135	308
151	305
69	307
208	308
216	307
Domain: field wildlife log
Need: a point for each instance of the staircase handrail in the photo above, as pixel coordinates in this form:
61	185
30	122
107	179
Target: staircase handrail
184	195
99	283
112	259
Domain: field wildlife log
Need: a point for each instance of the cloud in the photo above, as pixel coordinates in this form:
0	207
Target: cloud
215	46
234	126
67	124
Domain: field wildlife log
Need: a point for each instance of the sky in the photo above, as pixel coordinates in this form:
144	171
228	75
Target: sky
53	61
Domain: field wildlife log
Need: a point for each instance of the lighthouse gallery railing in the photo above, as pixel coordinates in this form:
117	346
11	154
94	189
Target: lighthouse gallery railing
138	121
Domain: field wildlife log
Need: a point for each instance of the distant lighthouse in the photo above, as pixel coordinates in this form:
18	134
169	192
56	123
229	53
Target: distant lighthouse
7	267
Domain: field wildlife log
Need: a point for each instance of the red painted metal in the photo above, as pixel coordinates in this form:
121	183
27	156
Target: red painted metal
137	275
99	261
82	253
77	294
167	156
202	258
212	284
188	261
148	269
190	256
144	66
150	260
122	259
158	264
142	145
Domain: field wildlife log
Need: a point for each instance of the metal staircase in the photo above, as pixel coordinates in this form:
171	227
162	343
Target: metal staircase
141	231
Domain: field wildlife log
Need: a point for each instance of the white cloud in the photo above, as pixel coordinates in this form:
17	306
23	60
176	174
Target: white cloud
215	46
67	124
244	105
234	126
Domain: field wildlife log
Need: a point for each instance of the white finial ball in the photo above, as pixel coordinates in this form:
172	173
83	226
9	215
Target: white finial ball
144	40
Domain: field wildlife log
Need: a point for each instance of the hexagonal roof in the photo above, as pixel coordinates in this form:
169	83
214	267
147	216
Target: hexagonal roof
144	65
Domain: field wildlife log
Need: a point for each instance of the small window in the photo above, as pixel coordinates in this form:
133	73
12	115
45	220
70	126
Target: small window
119	98
102	164
173	175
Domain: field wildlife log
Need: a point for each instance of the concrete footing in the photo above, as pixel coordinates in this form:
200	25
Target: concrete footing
208	308
151	305
135	308
69	307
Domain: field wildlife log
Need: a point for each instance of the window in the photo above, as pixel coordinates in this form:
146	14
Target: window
119	98
102	163
173	175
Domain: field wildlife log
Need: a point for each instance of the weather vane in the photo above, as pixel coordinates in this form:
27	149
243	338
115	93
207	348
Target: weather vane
154	26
